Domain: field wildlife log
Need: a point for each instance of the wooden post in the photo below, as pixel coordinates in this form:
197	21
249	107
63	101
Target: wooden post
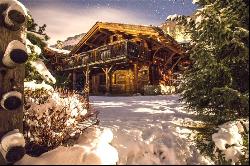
106	71
86	85
135	71
107	80
74	80
13	55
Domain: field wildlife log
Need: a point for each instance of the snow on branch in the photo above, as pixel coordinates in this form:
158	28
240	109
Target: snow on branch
42	69
172	17
34	86
195	1
31	46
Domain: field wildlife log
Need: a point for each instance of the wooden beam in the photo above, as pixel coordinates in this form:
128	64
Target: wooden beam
85	38
175	63
95	37
105	31
91	44
170	57
154	39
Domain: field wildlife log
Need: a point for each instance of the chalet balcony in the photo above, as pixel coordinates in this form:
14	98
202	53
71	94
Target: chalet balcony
113	52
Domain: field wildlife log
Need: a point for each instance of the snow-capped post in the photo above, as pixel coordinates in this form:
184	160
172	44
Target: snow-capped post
13	55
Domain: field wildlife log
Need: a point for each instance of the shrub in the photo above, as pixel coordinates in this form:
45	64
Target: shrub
53	117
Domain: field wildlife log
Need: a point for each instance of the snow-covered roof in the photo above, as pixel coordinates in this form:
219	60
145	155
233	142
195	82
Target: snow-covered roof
129	29
60	51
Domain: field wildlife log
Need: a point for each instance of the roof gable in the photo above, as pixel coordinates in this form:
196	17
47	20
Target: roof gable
100	29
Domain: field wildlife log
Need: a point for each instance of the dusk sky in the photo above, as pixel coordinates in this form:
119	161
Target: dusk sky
65	18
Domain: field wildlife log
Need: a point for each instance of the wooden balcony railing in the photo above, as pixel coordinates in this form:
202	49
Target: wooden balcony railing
105	54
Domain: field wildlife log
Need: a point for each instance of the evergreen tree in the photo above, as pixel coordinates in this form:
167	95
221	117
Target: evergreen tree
218	82
31	25
59	44
38	38
42	29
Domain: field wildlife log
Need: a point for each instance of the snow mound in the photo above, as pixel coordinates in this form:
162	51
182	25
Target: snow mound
90	149
229	134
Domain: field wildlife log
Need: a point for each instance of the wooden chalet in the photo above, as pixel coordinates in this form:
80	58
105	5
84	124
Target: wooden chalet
121	59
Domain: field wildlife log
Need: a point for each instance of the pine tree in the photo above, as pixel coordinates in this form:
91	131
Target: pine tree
42	29
38	38
218	82
31	25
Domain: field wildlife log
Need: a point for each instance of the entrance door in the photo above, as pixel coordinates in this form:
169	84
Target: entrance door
122	82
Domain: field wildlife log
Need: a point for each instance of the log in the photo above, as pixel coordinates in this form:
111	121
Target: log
13	55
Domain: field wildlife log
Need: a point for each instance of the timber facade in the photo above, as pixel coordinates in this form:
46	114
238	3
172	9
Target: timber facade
121	59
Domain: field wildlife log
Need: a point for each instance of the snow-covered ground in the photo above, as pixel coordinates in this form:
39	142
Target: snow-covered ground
132	130
146	129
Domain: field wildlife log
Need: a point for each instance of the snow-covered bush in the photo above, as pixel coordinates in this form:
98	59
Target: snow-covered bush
227	143
92	148
158	89
52	117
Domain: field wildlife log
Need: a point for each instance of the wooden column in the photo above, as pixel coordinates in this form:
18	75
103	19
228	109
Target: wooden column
12	56
135	71
74	80
86	85
106	71
107	79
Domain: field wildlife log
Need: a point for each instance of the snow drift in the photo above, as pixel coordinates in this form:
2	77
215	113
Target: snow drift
92	148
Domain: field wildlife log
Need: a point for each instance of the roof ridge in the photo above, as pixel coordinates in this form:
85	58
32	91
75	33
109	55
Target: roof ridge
127	24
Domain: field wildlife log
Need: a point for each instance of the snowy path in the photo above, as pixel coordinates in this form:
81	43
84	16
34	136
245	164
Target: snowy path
144	129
